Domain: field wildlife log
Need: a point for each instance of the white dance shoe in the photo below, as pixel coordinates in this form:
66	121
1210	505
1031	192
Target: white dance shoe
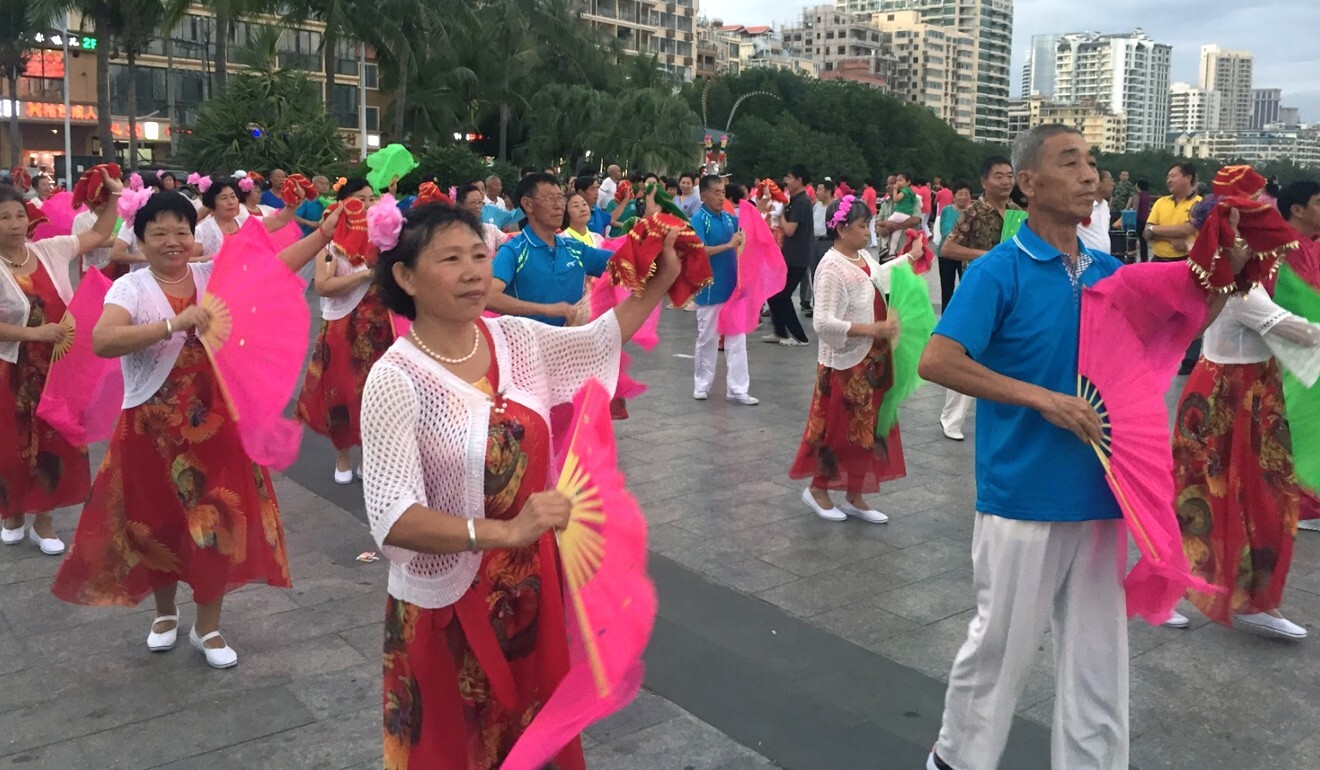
163	641
216	657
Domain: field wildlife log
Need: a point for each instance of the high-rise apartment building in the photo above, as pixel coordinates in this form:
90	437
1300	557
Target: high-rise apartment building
934	67
843	45
1265	103
1125	73
1229	73
1038	71
1193	109
664	28
989	23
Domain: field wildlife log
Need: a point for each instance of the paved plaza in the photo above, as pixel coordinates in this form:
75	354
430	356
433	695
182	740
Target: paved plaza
783	640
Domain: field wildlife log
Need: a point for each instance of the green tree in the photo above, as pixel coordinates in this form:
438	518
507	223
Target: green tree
135	23
266	117
566	123
651	129
17	27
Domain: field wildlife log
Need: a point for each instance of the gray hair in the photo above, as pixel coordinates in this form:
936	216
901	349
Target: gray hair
1027	147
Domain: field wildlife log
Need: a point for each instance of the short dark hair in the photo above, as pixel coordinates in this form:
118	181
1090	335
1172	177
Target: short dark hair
464	191
960	186
584	183
1186	169
708	181
528	184
1143	185
904	174
218	185
800	171
829	186
857	211
988	165
1297	194
164	203
351	187
735	193
162	176
420	225
527	170
11	194
687	175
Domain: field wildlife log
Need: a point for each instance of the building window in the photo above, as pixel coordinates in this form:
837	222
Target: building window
372	80
344	105
373	118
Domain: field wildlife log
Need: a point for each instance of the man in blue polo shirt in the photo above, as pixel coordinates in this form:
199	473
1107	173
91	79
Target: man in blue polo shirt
719	231
538	273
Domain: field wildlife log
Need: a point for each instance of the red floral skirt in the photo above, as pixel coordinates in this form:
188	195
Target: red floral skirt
176	499
39	469
346	349
1237	494
839	448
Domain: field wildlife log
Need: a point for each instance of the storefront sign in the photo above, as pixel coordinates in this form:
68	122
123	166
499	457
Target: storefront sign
78	113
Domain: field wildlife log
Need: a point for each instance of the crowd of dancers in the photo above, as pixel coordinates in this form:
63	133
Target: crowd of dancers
457	324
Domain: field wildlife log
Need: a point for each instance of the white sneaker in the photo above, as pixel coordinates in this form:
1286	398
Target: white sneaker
1311	524
875	517
343	478
746	399
773	339
51	546
953	434
13	536
790	342
700	395
216	657
828	514
1266	624
1177	620
164	640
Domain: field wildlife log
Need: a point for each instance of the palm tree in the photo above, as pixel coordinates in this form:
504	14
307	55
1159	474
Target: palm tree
569	121
105	18
16	30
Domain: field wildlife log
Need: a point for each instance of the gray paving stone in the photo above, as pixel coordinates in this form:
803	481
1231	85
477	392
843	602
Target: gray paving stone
352	741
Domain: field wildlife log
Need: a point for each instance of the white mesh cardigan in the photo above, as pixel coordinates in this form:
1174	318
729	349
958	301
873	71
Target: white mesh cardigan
424	434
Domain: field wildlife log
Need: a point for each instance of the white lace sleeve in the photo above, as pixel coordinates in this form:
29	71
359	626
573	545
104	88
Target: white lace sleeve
830	300
569	357
125	294
391	460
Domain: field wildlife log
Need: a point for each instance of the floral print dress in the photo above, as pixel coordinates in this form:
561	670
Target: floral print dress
462	682
39	470
839	448
345	350
176	499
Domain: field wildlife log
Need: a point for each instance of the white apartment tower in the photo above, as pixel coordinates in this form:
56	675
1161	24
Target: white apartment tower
651	27
1229	73
989	23
1127	73
1193	109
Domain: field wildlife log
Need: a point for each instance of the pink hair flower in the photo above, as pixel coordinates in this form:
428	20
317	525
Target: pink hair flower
135	181
130	201
194	179
384	223
204	184
245	185
841	214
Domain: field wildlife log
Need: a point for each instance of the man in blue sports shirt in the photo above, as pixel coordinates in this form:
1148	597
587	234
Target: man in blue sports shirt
718	229
1048	540
538	273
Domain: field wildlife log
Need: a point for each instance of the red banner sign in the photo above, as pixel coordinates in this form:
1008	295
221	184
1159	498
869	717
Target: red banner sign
78	113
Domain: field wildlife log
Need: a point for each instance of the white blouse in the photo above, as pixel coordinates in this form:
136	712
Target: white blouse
1252	328
843	295
339	306
425	432
140	294
98	257
55	255
211	237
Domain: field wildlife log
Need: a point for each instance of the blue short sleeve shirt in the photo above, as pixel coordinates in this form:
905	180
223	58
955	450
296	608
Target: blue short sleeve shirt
535	271
716	229
1018	314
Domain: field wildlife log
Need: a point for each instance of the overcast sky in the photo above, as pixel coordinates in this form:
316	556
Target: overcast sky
1284	35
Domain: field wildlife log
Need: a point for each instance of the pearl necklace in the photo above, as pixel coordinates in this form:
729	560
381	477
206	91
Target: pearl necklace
476	344
23	264
157	276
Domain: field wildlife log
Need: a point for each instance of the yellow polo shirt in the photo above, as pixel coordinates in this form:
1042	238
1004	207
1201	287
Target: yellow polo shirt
1165	212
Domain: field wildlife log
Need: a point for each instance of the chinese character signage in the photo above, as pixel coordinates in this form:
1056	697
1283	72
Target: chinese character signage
78	113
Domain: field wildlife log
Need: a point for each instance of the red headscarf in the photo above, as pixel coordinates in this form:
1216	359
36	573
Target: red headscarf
1238	182
429	192
351	232
21	178
1262	227
90	188
769	187
36	218
623	192
297	188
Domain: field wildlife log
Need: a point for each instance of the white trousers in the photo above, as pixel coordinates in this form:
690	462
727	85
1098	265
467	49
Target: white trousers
954	414
736	379
1028	575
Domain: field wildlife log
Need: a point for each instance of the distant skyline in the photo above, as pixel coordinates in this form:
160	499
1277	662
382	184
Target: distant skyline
1281	34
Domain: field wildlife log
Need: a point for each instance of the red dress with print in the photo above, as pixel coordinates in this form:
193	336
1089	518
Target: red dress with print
462	682
839	448
345	351
176	499
39	470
